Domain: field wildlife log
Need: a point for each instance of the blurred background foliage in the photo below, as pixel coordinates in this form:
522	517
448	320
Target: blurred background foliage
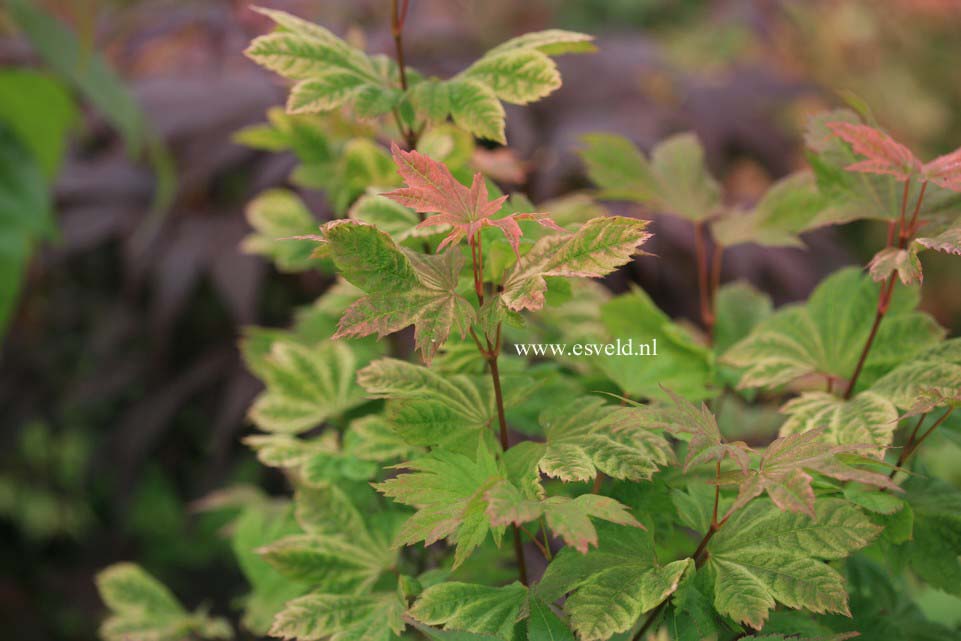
123	290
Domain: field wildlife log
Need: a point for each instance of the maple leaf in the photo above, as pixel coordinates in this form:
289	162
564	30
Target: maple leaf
432	189
403	287
699	424
783	472
945	171
566	517
448	491
883	154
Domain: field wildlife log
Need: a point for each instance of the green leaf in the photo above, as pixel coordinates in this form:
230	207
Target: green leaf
891	260
937	368
586	436
784	466
675	180
448	491
308	51
568	518
599	247
837	529
471	608
431	99
863	195
327	511
25	216
372	438
676	359
610	587
40	112
553	42
371	101
698	426
326	563
428	408
765	556
519	76
260	524
87	71
474	106
403	288
277	216
935	546
827	334
306	386
323	92
387	216
948	241
544	625
868	418
341	617
739	308
791	206
142	608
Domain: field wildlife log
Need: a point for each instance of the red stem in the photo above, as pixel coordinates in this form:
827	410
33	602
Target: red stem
912	446
490	355
397	18
905	231
699	553
703	286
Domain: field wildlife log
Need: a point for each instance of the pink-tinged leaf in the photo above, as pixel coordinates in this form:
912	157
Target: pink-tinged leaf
883	154
793	493
403	288
600	246
904	262
570	519
948	241
432	189
945	171
506	505
783	471
706	443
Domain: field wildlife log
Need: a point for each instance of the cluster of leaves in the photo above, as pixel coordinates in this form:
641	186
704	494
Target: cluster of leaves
650	518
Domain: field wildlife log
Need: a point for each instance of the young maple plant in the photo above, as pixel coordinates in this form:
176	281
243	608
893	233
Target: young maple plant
471	493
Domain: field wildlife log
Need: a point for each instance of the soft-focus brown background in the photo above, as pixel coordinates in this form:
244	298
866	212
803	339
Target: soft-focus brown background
121	361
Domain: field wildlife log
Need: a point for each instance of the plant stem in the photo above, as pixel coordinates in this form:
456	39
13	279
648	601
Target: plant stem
912	445
649	621
905	231
499	400
884	299
490	354
698	555
717	263
598	480
540	546
398	15
703	286
547	543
